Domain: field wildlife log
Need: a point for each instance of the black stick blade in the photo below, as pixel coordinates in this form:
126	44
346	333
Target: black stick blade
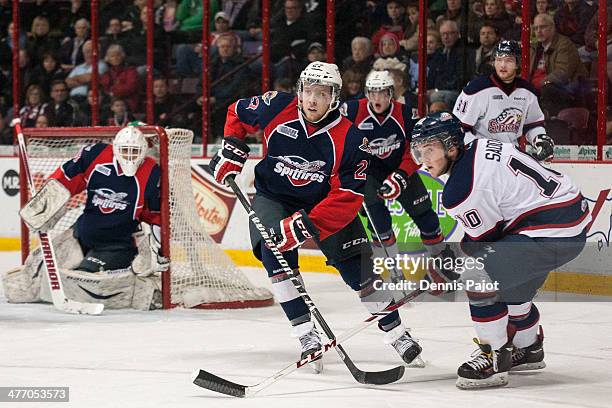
211	382
384	377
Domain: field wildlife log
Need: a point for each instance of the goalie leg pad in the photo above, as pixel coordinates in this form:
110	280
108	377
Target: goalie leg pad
43	210
147	293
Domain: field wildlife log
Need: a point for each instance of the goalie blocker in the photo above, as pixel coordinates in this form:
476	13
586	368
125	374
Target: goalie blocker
46	207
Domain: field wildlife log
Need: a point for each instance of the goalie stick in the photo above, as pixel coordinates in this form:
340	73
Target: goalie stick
363	377
60	301
212	382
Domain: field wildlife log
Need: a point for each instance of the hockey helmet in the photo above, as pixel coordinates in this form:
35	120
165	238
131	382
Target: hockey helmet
321	73
508	47
130	149
379	81
442	126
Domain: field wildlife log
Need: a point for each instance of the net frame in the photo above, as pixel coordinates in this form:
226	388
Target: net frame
258	297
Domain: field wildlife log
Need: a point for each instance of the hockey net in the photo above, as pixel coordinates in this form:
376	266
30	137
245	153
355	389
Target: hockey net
201	274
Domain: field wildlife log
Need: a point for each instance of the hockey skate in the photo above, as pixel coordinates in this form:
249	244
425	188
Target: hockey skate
408	349
488	368
310	341
531	357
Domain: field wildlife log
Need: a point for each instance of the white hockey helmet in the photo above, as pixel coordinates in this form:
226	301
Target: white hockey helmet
379	81
322	73
130	149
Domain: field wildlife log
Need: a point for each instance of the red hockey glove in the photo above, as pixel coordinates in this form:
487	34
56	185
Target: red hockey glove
393	186
229	159
294	231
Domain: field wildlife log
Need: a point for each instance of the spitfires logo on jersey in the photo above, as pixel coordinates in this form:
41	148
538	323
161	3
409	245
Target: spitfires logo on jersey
108	201
381	147
299	171
508	121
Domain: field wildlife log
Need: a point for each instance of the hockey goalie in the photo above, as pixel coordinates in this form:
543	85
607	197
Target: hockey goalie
111	255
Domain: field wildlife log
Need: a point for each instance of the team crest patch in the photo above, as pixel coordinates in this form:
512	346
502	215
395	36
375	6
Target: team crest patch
288	131
382	147
344	109
268	96
365	146
108	201
508	121
444	116
300	171
365	126
103	169
254	103
495	97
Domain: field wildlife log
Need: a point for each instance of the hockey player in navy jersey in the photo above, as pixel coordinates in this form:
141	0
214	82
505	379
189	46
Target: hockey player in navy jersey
504	106
97	254
309	184
521	221
392	174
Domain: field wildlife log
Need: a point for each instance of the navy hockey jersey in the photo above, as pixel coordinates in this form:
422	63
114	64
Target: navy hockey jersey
388	138
115	203
322	172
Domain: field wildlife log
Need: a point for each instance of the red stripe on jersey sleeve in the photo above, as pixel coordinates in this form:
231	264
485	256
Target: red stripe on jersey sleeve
75	185
234	126
336	211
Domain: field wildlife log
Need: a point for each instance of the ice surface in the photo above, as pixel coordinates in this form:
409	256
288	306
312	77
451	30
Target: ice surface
144	359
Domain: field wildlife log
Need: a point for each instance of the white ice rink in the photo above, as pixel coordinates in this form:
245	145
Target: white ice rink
144	359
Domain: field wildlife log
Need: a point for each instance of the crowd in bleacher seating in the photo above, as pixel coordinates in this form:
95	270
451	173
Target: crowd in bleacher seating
56	54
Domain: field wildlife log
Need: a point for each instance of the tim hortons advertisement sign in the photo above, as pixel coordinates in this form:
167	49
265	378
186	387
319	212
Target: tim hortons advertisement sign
213	204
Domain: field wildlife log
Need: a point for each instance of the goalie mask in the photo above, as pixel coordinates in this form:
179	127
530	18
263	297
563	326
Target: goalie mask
130	149
321	73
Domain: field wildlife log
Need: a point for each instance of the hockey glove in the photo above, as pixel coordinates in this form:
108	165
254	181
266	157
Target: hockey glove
394	185
160	263
293	231
441	269
544	148
229	159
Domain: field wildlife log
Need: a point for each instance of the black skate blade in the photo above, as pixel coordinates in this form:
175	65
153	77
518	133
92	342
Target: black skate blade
211	382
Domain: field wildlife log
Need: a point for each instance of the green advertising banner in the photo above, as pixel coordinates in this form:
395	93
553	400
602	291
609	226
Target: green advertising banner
406	231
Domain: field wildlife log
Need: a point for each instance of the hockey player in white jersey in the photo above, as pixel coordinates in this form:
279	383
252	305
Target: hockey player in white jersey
504	106
521	221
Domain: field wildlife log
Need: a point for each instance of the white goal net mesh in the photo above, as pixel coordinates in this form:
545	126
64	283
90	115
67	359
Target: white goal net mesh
201	273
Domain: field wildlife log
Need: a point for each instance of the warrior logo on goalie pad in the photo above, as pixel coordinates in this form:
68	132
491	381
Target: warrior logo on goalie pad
108	201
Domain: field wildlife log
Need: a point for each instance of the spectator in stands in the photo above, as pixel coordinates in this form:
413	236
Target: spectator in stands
119	115
60	111
410	42
34	106
434	43
494	14
396	22
284	85
79	78
121	80
131	18
480	60
135	42
71	51
401	93
544	7
164	103
78	9
112	35
588	53
316	52
447	69
438	107
361	58
353	83
42	121
189	14
38	40
555	67
290	31
47	72
240	12
572	18
454	13
5	14
84	113
222	26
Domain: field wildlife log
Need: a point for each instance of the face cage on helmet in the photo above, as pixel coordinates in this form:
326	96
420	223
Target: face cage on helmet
445	138
335	100
130	158
380	88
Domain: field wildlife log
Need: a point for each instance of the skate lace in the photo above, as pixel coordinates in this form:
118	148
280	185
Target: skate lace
517	354
403	343
481	361
310	340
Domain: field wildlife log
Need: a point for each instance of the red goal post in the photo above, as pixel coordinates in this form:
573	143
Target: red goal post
201	274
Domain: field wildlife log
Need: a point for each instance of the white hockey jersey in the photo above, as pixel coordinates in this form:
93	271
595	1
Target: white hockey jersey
492	110
495	189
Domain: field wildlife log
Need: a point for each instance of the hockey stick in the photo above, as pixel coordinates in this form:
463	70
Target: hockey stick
212	382
601	198
60	301
363	377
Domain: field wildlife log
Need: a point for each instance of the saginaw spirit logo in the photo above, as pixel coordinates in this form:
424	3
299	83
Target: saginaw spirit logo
508	121
108	201
299	171
381	147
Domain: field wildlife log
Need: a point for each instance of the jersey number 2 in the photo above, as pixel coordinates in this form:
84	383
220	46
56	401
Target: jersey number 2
547	186
360	172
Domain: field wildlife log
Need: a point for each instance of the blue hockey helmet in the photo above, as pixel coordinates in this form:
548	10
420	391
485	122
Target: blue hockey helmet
438	126
509	47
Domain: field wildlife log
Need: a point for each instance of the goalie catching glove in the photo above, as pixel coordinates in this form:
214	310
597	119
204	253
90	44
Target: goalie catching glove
229	159
293	231
545	148
394	185
46	207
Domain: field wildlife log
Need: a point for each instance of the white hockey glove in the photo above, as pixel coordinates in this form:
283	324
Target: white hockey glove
545	148
46	207
160	263
149	261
